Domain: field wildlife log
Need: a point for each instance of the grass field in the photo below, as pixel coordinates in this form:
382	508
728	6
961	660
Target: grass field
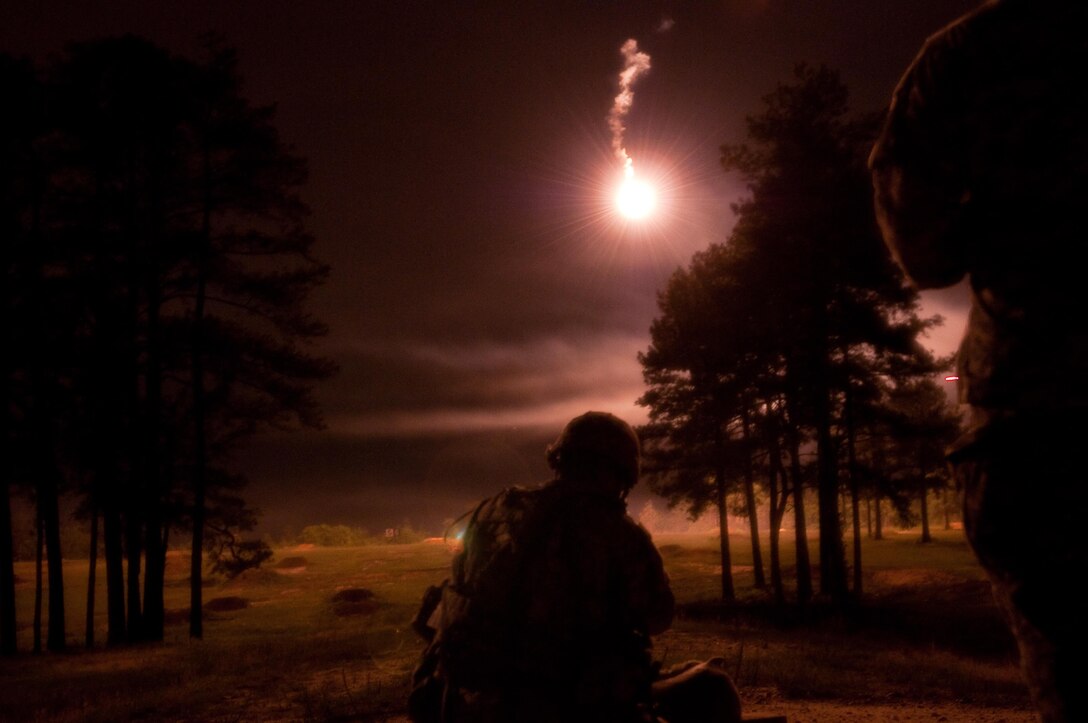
927	636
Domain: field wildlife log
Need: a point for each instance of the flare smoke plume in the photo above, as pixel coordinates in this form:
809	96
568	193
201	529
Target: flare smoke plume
635	63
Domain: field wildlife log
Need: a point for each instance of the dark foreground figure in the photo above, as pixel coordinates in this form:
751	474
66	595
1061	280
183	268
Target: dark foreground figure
549	609
982	169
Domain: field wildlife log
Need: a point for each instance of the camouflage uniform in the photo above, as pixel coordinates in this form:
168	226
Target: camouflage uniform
549	609
982	170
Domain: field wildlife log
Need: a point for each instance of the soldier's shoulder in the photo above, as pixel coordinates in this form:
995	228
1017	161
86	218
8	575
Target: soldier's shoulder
523	494
634	545
515	497
636	533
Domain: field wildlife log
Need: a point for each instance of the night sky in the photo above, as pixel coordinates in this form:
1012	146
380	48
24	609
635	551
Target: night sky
483	290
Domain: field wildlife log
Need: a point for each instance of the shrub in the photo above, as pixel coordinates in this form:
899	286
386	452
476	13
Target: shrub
333	536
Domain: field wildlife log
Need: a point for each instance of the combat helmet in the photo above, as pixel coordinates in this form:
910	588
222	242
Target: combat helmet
598	435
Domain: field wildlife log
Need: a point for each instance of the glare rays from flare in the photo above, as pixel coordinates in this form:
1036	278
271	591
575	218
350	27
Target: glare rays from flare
655	218
569	186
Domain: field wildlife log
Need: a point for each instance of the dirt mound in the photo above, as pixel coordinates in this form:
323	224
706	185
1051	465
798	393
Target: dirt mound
292	562
226	604
353	601
353	595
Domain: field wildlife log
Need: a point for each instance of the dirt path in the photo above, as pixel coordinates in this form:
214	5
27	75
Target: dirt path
827	712
799	711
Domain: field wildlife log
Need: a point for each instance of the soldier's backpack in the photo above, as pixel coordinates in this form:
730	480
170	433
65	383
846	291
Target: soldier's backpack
473	619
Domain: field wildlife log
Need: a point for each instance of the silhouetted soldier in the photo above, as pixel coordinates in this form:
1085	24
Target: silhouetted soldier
549	609
982	169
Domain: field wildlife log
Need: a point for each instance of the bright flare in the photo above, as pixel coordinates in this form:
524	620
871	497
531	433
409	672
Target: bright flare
635	199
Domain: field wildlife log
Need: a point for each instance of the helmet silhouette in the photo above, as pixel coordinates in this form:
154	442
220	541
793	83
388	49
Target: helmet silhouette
597	436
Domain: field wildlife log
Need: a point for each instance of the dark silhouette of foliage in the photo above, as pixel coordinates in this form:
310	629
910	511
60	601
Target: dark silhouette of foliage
229	555
924	426
789	336
157	267
38	334
17	131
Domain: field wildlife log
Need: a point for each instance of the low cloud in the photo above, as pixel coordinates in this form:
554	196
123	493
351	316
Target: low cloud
447	420
536	384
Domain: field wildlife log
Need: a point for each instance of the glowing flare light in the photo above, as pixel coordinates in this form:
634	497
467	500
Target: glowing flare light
635	198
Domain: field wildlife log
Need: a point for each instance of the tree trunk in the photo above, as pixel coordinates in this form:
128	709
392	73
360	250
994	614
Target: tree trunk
855	502
47	476
133	551
8	629
8	645
852	462
131	505
91	573
39	544
196	556
804	567
877	450
155	556
777	506
750	503
728	594
200	462
925	503
50	513
869	516
115	574
832	554
877	507
777	509
154	574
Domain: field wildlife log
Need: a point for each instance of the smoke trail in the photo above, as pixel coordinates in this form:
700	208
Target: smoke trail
635	63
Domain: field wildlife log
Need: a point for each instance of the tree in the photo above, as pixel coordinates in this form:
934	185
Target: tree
795	326
809	236
119	105
704	397
158	268
245	364
925	426
231	556
215	269
38	333
18	132
687	470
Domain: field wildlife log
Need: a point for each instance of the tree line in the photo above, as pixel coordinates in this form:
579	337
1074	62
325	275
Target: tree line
788	358
156	271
